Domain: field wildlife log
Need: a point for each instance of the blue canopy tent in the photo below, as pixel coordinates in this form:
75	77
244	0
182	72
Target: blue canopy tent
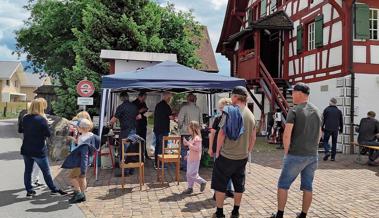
166	76
171	76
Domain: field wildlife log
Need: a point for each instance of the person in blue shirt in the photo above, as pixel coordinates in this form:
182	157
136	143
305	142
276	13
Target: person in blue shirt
78	160
34	149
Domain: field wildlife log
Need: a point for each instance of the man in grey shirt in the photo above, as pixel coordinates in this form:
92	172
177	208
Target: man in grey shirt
301	137
188	112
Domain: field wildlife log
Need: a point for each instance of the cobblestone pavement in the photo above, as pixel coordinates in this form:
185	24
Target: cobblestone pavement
342	189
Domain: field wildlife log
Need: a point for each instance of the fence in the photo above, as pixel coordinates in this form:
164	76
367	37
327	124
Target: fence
12	108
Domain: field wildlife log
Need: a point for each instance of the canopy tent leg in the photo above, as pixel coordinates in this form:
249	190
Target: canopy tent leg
104	97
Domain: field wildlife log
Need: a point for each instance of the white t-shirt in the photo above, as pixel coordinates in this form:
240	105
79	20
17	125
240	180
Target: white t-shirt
278	116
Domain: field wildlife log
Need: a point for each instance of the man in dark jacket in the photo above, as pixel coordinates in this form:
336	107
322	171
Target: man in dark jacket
141	126
162	117
127	114
332	123
368	133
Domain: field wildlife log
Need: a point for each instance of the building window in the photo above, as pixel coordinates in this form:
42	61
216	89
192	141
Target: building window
311	36
374	21
15	83
8	83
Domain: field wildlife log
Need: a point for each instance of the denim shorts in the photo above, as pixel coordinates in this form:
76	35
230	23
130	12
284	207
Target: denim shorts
295	165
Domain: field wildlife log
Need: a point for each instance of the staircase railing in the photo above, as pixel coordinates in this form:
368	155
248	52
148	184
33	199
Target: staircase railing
271	90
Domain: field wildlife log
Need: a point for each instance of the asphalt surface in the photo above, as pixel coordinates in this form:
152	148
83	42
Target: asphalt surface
13	200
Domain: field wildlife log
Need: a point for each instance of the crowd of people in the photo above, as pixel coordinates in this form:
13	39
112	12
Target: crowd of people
231	139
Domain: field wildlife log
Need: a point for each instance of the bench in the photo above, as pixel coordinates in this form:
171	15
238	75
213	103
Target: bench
359	158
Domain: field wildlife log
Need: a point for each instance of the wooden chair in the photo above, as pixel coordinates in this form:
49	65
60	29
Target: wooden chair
140	165
169	155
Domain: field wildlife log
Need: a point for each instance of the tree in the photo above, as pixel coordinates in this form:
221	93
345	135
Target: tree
64	38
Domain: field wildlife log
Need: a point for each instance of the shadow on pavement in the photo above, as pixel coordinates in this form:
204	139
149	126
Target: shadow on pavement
61	203
9	129
198	205
115	193
177	197
9	197
11	155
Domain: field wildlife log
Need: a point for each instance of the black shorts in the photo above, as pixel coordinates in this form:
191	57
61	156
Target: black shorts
225	169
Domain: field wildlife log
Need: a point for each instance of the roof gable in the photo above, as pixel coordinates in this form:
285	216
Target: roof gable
8	68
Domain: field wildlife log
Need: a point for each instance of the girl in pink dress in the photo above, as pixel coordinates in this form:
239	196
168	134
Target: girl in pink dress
194	157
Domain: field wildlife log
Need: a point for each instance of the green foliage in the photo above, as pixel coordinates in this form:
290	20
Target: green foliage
177	101
64	38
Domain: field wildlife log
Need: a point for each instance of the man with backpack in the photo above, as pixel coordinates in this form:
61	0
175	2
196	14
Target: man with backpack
235	141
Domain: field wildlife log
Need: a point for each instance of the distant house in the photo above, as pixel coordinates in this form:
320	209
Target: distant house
16	85
127	61
206	53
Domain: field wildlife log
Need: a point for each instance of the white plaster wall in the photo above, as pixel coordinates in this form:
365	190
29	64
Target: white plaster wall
289	10
290	68
359	54
339	2
368	94
337	32
335	58
335	14
303	4
327	11
309	63
295	24
374	54
324	57
294	7
297	66
316	2
326	35
128	66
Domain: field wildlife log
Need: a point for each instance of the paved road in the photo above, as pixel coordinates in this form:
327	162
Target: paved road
13	201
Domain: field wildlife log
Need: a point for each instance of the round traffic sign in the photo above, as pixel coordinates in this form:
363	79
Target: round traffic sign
85	88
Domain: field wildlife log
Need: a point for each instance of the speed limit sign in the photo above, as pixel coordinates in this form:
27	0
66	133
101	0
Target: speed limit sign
85	88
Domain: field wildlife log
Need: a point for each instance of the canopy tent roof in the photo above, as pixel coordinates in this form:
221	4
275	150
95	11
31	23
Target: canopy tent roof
171	76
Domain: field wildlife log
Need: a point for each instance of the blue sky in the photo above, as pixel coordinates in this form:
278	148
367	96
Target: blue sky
208	12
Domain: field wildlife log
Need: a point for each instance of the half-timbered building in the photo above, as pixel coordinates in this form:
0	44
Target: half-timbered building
332	45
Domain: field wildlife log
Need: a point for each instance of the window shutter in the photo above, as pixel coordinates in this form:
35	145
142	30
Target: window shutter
299	47
273	5
250	16
263	8
362	29
319	31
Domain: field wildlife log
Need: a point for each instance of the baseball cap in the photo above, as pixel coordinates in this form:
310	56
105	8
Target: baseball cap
333	101
302	87
239	90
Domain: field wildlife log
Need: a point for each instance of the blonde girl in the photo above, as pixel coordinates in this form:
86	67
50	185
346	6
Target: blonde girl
194	157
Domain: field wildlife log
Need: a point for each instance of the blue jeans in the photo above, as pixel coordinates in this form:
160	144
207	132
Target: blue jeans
158	145
295	165
43	164
334	135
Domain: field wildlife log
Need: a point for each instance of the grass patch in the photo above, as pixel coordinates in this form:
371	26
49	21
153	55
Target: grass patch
8	116
262	145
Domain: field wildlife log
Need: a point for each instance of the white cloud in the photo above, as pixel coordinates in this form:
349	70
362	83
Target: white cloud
6	54
12	15
218	4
